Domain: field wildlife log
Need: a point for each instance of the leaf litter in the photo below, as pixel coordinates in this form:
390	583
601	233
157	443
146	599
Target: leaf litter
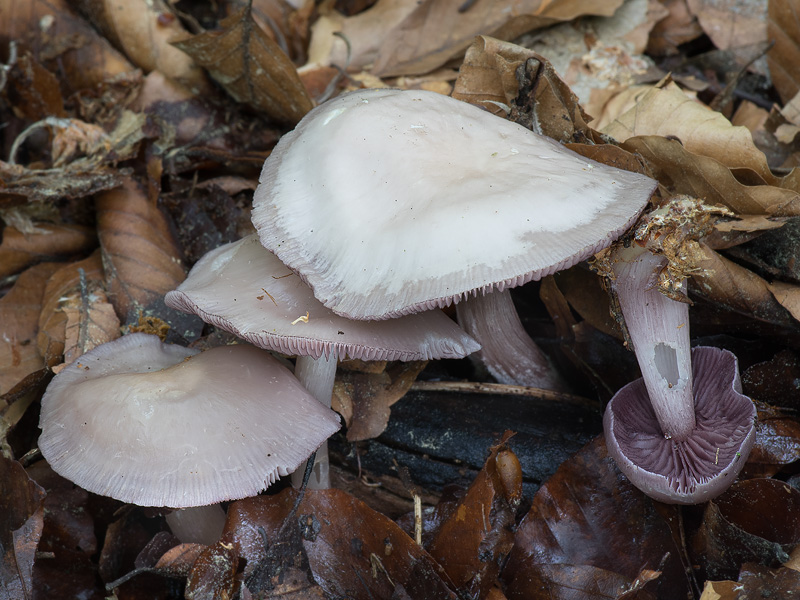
132	138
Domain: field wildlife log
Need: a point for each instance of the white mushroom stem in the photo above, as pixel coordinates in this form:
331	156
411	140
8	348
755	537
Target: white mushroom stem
659	330
317	375
506	349
198	524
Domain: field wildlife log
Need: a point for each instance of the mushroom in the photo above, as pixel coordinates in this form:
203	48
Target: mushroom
390	202
246	290
649	288
155	424
694	466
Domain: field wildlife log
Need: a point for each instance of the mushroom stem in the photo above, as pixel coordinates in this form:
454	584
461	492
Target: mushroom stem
317	375
506	349
198	524
659	330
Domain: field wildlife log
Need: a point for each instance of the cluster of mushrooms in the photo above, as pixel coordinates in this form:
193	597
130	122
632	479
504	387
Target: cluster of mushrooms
380	208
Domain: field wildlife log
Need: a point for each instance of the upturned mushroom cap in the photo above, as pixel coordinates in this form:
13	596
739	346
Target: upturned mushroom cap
244	289
390	202
161	425
703	465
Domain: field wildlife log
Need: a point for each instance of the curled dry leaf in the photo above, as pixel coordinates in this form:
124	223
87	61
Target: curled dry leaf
19	314
666	111
681	171
140	258
679	27
783	26
474	541
21	523
732	23
364	399
727	284
62	284
434	31
757	520
251	67
61	41
33	90
140	29
213	573
589	515
777	440
353	551
490	75
49	242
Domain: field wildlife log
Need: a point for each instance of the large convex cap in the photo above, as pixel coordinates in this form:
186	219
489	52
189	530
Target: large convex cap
389	202
161	425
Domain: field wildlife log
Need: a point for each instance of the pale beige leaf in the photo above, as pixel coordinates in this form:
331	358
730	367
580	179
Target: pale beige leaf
667	111
411	37
788	295
783	28
732	23
251	67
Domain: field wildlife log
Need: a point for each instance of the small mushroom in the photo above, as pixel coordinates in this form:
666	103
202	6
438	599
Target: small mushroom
390	202
246	290
697	464
155	424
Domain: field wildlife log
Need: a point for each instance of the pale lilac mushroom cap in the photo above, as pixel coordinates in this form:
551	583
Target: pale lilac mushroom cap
390	202
705	463
162	425
244	289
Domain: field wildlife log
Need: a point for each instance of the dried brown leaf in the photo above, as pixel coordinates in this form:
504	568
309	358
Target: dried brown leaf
77	180
588	516
732	23
474	541
438	30
33	90
251	67
681	171
64	283
62	41
144	30
496	71
666	111
212	574
49	242
91	321
723	282
21	523
140	258
364	399
678	28
19	314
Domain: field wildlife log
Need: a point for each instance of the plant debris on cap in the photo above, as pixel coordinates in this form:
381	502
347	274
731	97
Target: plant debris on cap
705	463
244	289
162	425
389	202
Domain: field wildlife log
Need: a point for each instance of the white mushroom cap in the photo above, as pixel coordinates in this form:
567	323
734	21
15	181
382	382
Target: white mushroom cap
160	425
244	289
389	202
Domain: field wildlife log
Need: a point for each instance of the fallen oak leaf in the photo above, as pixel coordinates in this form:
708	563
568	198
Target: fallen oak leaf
140	258
144	30
250	66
